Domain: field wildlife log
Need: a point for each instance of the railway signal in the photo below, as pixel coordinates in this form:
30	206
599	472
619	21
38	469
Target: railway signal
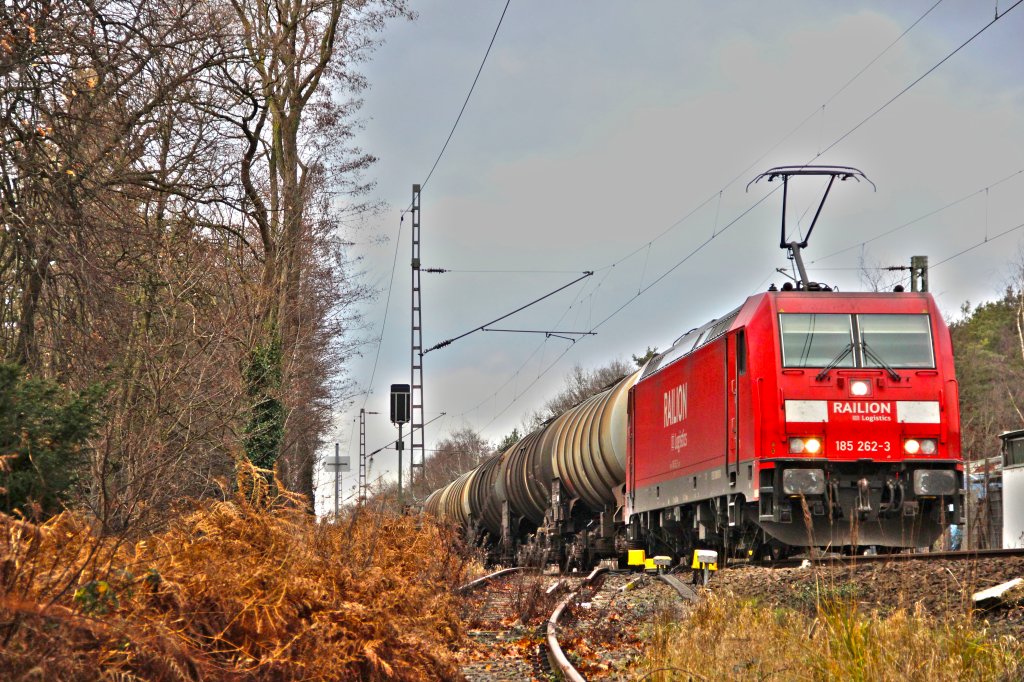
401	406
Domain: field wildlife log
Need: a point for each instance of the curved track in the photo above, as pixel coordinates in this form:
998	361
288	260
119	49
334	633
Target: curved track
557	657
608	613
505	613
512	637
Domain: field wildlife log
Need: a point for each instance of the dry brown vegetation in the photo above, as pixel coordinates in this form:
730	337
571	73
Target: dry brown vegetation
250	587
879	624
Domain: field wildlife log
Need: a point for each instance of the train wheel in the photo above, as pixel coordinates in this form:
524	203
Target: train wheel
772	550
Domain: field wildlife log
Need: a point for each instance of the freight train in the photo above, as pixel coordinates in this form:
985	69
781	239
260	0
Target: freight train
806	417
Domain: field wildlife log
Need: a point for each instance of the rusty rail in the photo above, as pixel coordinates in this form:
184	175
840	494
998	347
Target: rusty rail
960	555
556	656
483	580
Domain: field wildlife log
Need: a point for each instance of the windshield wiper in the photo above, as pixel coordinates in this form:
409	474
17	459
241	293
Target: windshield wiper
835	362
868	353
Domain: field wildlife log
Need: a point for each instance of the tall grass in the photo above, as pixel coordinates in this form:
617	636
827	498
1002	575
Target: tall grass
725	637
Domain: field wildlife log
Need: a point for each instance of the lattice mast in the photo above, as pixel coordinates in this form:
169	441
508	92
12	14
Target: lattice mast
361	489
417	436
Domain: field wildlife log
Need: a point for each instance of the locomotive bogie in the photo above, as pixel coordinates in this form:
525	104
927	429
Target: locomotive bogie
837	504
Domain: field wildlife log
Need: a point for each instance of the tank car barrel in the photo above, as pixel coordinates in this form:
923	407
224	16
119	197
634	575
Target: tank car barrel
589	448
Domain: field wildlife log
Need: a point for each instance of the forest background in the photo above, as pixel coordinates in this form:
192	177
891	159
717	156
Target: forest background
178	184
176	293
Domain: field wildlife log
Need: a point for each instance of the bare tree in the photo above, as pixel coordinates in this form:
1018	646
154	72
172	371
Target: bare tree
875	276
455	454
169	207
581	384
293	50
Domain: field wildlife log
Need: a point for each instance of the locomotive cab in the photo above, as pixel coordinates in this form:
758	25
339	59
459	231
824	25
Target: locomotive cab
865	445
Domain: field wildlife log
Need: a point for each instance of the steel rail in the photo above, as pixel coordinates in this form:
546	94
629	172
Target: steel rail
556	656
960	555
483	580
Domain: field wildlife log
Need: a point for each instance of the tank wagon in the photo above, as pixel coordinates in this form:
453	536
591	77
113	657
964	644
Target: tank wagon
804	417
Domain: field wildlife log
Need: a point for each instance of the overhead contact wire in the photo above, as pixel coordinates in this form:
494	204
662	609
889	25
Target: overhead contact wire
468	95
731	182
920	218
981	243
921	77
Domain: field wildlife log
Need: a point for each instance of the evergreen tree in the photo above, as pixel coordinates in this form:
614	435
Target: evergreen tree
44	432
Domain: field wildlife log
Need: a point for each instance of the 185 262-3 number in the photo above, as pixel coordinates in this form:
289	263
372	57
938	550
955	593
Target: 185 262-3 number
863	446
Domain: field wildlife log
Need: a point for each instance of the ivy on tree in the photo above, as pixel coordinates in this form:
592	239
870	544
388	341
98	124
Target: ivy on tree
264	430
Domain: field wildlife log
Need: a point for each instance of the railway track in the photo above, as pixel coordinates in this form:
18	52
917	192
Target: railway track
505	613
832	559
524	626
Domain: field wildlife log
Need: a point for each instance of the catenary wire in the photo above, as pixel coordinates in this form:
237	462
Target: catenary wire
839	140
448	342
683	219
920	78
468	95
920	218
974	246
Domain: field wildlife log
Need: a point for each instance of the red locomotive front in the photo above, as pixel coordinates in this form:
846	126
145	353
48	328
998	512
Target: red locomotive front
807	417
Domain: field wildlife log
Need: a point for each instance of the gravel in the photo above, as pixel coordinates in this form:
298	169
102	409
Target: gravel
604	634
941	587
504	628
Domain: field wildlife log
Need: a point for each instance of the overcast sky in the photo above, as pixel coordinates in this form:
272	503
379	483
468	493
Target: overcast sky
597	126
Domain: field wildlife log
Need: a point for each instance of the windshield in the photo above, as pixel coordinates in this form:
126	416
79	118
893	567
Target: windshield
887	341
1014	453
815	340
897	340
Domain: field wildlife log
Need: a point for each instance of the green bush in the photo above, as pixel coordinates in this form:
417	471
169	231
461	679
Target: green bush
44	429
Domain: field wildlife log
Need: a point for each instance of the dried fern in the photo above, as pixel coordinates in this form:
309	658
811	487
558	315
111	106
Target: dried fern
251	587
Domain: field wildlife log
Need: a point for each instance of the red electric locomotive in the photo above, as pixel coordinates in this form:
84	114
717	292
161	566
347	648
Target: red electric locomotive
805	417
840	407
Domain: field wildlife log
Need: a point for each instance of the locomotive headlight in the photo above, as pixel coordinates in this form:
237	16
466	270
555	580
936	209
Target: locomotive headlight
801	446
929	446
860	387
911	446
